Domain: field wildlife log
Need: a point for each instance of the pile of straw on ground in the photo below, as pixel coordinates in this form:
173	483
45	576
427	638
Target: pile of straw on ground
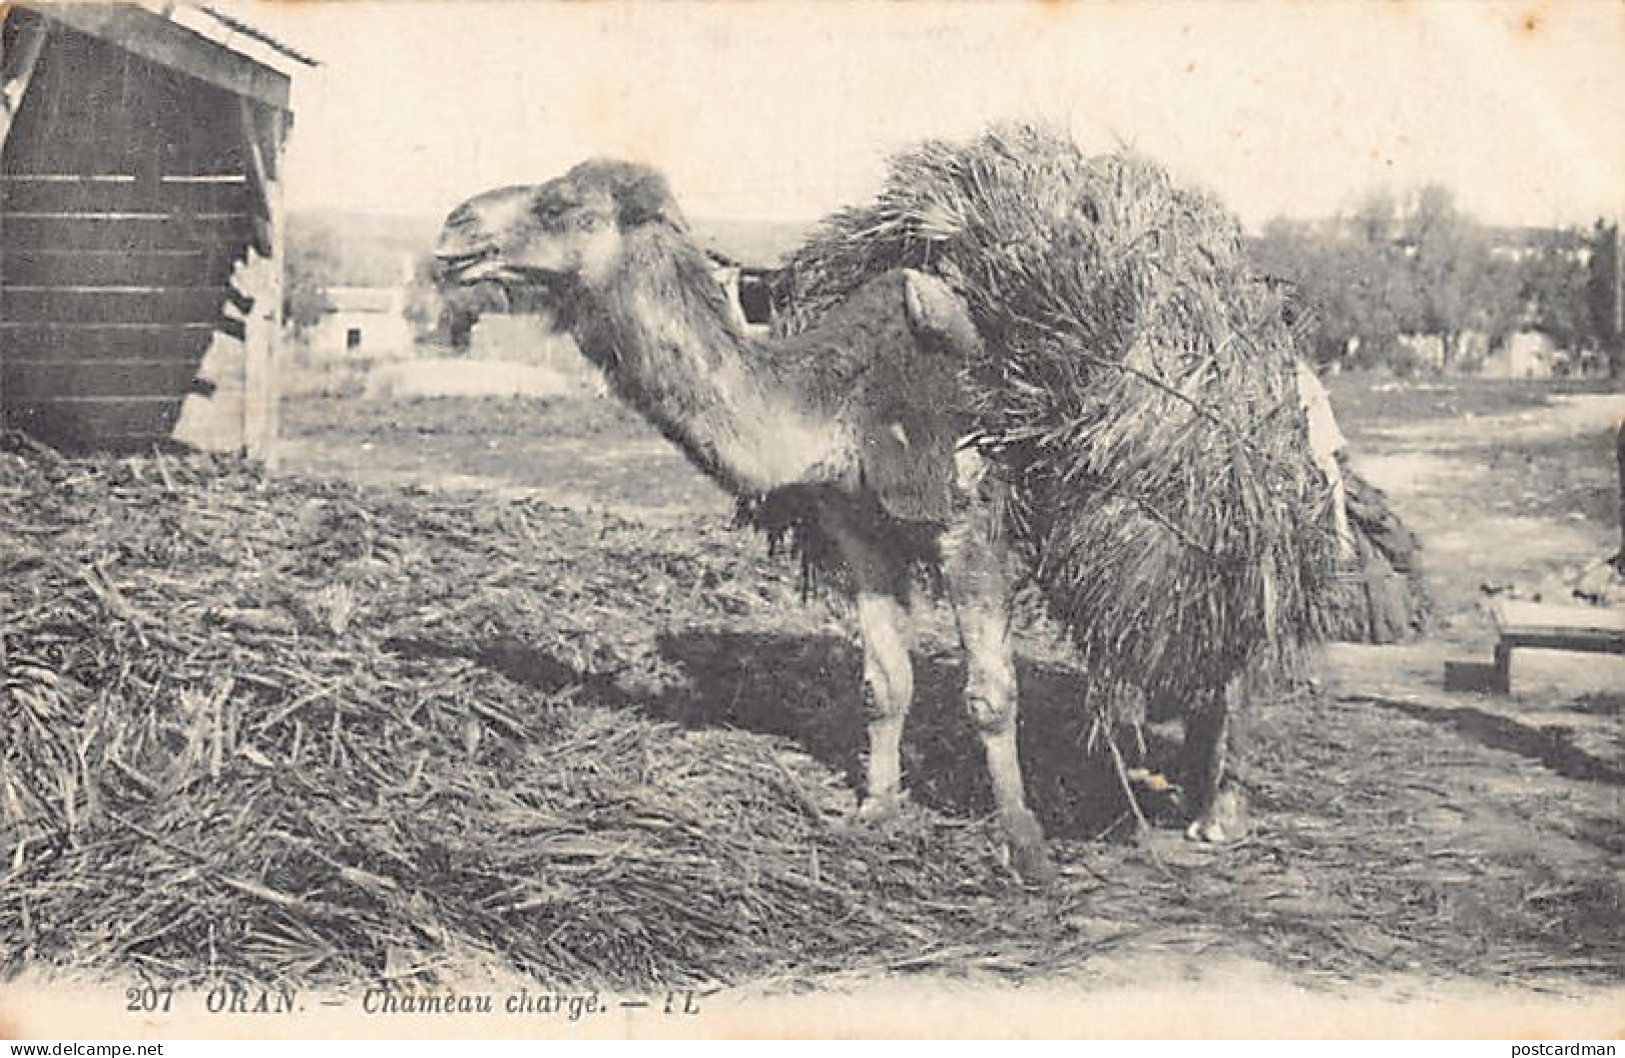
288	731
1137	387
246	730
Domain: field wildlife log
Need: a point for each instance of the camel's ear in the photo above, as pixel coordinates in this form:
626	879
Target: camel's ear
641	193
646	198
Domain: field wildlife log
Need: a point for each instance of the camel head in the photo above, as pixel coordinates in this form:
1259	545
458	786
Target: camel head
557	238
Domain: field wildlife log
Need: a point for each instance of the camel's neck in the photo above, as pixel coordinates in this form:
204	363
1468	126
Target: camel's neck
662	334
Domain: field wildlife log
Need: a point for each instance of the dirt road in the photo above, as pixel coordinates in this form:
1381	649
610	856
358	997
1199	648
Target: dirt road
1516	503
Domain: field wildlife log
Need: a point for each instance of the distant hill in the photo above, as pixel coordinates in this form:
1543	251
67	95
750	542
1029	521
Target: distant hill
375	249
367	249
751	242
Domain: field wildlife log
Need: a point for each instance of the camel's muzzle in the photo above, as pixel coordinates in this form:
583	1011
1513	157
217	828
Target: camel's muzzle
486	264
466	266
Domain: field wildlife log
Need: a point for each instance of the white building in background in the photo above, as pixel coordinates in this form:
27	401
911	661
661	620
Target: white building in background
363	322
1521	355
1526	354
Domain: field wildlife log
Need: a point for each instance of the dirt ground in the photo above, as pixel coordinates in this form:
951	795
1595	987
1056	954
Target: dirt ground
1407	840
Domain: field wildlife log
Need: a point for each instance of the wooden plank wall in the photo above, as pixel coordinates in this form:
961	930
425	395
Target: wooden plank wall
124	207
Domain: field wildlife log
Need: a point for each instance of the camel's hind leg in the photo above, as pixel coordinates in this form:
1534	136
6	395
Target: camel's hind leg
1214	801
981	584
881	580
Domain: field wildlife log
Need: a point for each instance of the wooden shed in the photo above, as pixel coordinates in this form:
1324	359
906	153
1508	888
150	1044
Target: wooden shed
140	226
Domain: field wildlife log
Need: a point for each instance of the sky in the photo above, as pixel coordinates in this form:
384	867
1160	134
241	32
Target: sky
782	110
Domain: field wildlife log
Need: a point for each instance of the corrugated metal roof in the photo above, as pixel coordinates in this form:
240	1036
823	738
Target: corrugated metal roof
237	25
229	31
227	53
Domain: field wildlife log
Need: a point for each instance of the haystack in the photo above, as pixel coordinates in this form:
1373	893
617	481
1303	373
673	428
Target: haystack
1137	390
248	731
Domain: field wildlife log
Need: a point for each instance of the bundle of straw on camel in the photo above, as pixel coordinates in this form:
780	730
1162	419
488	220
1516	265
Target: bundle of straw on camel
1136	390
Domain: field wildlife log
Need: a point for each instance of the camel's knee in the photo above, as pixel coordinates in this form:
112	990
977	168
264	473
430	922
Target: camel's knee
990	666
888	678
888	674
887	691
883	698
896	672
992	701
990	697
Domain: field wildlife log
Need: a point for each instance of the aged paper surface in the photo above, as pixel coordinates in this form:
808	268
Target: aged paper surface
782	112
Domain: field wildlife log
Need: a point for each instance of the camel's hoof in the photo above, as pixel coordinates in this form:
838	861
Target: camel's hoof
1033	864
874	811
1225	820
1029	854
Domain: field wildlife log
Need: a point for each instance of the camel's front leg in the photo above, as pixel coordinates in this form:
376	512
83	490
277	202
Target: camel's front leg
978	569
881	582
991	698
888	682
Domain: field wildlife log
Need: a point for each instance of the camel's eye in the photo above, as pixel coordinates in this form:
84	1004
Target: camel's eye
550	212
587	220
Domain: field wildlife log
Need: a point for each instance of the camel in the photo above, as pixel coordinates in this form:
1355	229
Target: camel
855	424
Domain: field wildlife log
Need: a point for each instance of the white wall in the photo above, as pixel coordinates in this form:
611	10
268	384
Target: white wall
382	334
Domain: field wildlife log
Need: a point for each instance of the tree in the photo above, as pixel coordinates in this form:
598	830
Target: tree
1349	274
1460	286
446	315
423	301
1383	272
311	264
1375	220
1554	291
1604	295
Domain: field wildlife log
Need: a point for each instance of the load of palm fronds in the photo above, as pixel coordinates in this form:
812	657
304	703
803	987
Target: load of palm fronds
1136	386
1383	596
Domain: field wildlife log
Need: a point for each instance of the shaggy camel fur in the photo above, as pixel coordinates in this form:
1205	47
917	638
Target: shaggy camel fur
854	422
